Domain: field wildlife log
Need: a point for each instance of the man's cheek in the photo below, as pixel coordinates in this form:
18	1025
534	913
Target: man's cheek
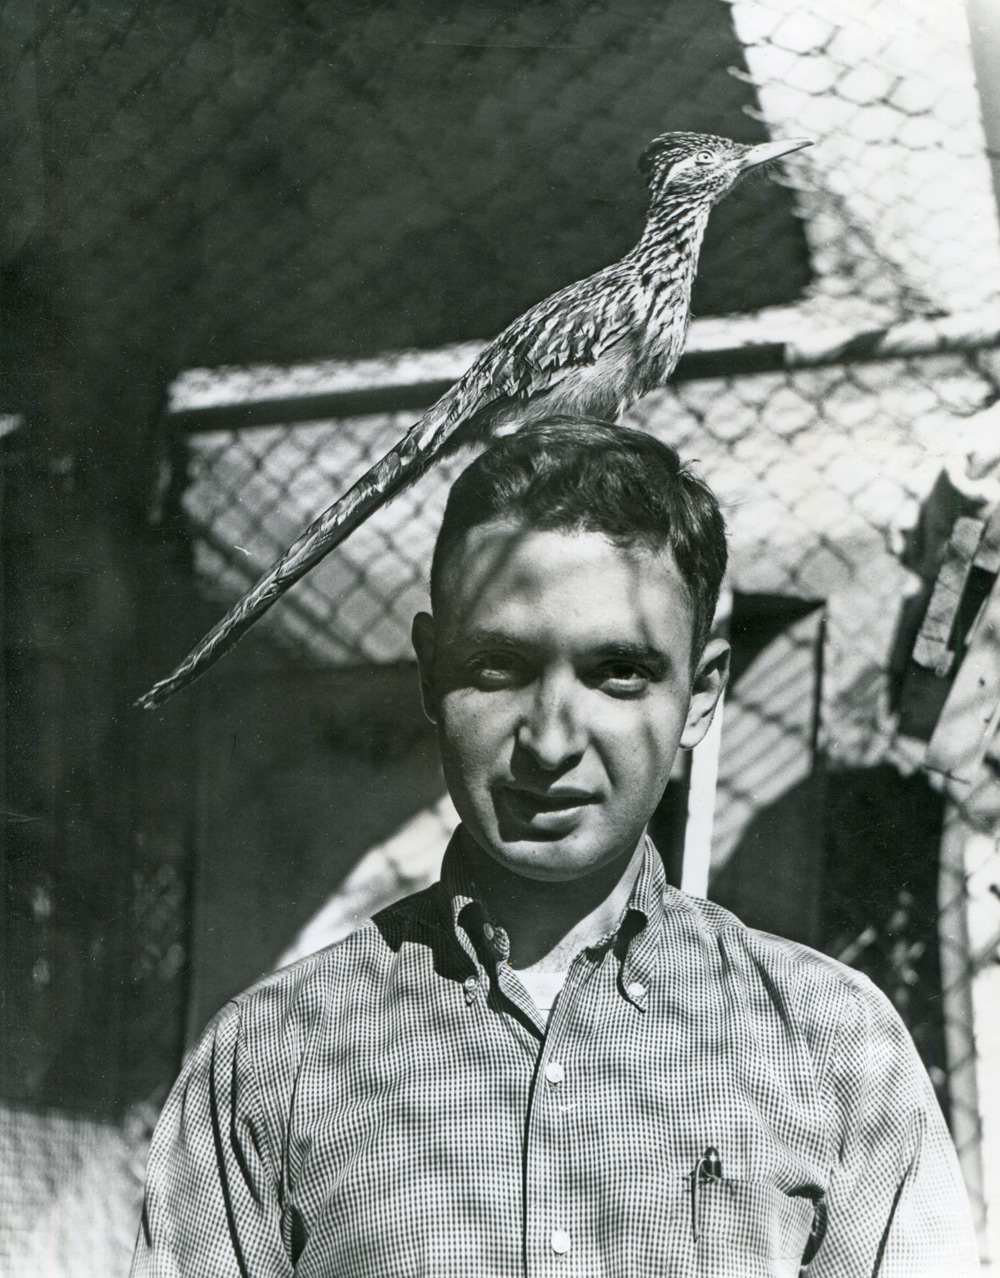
470	737
478	715
640	749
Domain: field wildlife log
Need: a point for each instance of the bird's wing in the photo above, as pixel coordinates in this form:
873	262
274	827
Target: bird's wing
571	329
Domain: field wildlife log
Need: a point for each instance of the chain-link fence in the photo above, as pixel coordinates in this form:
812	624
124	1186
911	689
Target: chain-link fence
821	458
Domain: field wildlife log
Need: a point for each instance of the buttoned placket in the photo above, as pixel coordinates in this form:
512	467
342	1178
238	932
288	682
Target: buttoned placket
550	1229
548	1122
556	1247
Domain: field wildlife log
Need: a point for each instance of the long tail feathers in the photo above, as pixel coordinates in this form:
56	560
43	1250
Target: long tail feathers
399	468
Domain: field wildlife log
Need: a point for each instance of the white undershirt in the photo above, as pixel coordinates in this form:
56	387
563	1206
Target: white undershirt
544	988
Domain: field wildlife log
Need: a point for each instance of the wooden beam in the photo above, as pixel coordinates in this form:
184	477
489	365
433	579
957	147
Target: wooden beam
703	778
238	398
702	785
984	29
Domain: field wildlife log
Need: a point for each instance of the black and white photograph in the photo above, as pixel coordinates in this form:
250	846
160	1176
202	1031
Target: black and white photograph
500	610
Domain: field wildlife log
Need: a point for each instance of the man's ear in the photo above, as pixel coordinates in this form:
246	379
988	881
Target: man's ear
709	680
425	646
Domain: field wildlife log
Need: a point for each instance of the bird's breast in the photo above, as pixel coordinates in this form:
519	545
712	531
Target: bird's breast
666	314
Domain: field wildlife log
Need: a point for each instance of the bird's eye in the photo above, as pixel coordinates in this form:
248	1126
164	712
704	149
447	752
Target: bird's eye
704	157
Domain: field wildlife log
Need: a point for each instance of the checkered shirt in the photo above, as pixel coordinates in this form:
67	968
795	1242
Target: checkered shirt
706	1100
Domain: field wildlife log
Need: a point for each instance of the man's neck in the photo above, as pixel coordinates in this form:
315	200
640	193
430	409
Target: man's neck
548	923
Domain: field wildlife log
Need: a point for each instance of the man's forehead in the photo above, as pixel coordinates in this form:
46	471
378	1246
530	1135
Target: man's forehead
503	568
493	543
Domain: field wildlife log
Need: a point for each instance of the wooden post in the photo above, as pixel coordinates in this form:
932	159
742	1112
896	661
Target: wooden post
969	922
984	29
964	749
702	783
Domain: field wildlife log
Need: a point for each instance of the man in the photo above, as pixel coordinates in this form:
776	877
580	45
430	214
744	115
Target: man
552	1062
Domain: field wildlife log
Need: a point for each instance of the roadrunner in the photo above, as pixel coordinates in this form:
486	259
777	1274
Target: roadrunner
590	349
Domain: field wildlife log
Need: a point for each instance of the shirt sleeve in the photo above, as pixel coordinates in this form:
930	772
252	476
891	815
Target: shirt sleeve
211	1204
896	1205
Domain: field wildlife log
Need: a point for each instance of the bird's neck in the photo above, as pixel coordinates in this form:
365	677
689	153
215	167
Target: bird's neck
667	252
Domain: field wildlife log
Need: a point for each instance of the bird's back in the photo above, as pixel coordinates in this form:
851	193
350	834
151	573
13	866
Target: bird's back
585	349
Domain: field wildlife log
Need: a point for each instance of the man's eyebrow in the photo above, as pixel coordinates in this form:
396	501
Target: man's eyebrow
642	654
480	638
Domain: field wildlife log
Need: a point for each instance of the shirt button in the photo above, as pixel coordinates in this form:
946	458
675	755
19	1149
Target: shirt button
554	1072
559	1240
471	985
636	990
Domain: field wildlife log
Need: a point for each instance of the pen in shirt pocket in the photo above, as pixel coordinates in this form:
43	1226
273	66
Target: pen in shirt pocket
707	1170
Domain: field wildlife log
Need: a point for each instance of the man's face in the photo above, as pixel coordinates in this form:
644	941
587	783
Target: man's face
558	672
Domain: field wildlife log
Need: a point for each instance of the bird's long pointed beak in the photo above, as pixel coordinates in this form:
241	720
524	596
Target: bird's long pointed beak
773	151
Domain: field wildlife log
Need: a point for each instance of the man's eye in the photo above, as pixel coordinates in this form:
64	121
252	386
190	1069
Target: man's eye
621	679
496	670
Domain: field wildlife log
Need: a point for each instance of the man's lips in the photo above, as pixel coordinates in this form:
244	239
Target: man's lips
528	803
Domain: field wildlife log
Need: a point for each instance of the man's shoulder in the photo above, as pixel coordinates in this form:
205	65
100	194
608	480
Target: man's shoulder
295	1015
813	988
356	958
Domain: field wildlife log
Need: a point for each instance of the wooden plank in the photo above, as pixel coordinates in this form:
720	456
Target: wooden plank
971	713
396	382
931	648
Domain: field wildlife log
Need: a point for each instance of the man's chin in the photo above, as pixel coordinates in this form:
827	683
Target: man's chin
548	857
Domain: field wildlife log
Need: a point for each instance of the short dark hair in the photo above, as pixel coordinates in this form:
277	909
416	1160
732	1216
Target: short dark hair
580	474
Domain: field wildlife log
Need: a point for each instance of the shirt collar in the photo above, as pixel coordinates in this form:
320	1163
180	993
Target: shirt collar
482	941
642	926
635	939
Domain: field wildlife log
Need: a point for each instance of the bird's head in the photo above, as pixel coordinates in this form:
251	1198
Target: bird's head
703	167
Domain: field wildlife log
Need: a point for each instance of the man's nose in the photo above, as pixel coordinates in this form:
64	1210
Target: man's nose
551	731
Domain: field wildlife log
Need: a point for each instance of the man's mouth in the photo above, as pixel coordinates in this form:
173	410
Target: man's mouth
529	805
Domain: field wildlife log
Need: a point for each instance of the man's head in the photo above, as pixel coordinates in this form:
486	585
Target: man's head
580	475
573	586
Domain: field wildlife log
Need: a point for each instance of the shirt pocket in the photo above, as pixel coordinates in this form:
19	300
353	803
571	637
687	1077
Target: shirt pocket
750	1229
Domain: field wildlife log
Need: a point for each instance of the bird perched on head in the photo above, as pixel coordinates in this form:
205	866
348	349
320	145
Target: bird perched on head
591	349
